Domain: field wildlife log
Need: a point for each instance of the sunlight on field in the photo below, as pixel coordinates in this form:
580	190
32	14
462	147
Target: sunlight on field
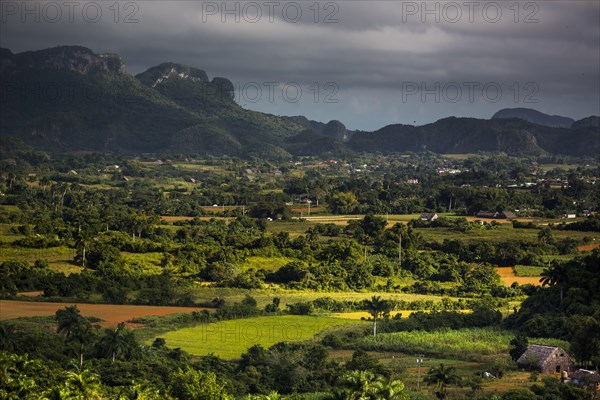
588	247
528	270
463	344
265	296
111	314
507	274
6	235
229	339
364	314
60	258
150	263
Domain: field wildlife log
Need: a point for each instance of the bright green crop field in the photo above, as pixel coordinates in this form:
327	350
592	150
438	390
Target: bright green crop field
470	344
229	339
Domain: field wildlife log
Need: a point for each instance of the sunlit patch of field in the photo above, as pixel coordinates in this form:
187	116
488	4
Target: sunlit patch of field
588	247
192	167
110	314
304	209
265	296
510	380
60	258
229	339
35	293
294	228
528	270
220	207
175	218
404	366
504	232
172	228
341	220
6	236
469	344
365	315
149	262
508	276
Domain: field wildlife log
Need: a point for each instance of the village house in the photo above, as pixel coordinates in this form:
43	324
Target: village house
546	359
585	378
496	214
486	214
506	215
428	217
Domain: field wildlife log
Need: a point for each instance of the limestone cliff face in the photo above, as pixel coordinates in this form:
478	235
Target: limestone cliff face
80	60
225	87
164	72
336	129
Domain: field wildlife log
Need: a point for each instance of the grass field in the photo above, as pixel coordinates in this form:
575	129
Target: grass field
501	233
111	314
363	314
528	270
268	263
60	258
229	339
472	344
150	262
265	296
404	368
564	167
6	236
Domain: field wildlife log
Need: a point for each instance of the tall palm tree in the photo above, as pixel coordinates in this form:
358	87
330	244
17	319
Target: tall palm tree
114	341
68	320
82	336
555	275
442	376
377	307
75	328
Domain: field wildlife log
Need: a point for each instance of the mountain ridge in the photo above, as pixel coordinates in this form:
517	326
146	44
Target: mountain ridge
177	108
535	117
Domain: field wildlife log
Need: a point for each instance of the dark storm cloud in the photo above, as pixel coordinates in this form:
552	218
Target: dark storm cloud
372	52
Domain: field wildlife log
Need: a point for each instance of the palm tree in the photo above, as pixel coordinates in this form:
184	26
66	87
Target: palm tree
555	275
114	341
68	319
359	384
82	335
442	377
82	384
389	390
377	307
75	328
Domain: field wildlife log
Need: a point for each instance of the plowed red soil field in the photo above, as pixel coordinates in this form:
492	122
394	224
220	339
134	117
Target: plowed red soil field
588	247
111	314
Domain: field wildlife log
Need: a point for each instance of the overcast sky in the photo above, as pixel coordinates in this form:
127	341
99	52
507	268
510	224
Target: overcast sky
365	63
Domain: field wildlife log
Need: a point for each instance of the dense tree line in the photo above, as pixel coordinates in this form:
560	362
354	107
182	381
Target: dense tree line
567	306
